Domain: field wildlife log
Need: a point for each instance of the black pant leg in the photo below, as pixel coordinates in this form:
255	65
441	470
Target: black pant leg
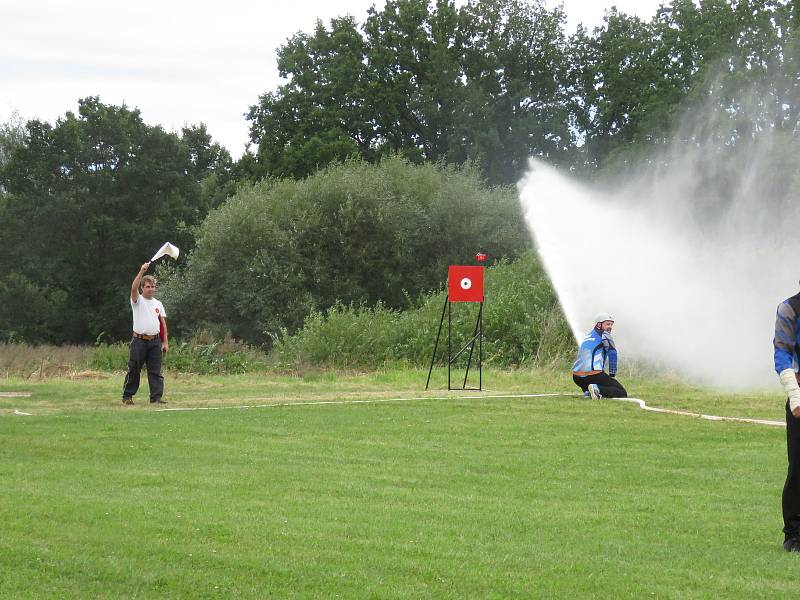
137	354
581	382
154	377
791	488
609	387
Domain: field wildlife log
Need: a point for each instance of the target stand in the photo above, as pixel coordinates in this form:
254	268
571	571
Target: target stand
464	284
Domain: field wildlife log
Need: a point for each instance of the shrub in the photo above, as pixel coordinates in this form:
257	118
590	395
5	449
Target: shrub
201	354
523	323
352	234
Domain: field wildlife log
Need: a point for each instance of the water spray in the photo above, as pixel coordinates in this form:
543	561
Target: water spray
693	290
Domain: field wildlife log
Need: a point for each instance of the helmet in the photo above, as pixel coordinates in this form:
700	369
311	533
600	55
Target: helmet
600	317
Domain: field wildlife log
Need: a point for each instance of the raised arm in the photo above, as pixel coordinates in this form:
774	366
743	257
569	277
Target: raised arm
137	282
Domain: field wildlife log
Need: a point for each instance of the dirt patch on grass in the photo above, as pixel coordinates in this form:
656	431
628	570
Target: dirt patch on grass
81	375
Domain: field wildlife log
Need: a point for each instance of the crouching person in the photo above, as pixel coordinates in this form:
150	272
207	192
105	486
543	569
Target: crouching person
596	350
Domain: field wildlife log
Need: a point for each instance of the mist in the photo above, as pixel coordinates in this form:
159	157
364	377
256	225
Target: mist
691	249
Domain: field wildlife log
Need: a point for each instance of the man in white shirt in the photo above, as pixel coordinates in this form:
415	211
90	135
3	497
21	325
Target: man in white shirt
150	338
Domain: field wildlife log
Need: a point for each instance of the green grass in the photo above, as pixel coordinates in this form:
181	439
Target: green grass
456	498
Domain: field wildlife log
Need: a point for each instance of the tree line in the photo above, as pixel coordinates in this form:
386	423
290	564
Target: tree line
451	100
498	81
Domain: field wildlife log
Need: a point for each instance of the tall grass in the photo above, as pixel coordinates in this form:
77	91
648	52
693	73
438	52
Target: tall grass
21	360
201	354
522	321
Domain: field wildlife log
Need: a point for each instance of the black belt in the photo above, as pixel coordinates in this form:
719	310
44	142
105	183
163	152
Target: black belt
142	336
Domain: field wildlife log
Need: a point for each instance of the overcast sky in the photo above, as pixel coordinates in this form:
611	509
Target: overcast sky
177	61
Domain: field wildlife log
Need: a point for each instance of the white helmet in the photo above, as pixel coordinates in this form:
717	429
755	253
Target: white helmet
600	317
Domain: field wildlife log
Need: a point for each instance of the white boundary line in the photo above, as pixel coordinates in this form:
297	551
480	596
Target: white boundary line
372	401
640	403
643	405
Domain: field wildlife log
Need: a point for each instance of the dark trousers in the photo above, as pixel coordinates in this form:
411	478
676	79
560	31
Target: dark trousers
791	489
609	387
144	352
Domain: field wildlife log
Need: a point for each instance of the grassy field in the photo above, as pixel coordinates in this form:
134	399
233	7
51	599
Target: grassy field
449	498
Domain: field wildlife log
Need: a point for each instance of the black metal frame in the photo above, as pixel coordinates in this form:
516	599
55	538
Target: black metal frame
477	334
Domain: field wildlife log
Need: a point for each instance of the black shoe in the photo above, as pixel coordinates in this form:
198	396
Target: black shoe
128	401
159	401
792	544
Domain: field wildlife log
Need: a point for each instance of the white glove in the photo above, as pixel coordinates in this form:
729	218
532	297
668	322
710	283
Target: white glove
789	382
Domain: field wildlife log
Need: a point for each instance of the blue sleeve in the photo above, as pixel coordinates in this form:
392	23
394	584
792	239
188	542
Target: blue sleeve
612	361
611	353
785	337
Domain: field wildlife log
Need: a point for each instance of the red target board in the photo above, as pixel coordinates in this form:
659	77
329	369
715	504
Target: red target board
465	284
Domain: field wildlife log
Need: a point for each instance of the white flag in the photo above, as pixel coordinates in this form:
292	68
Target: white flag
166	250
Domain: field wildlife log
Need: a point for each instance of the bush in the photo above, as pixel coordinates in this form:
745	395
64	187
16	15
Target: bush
352	234
523	324
109	357
201	354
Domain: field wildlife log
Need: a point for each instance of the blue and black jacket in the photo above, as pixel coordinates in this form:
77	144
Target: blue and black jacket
595	350
787	334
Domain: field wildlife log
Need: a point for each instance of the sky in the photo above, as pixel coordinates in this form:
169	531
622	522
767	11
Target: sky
178	62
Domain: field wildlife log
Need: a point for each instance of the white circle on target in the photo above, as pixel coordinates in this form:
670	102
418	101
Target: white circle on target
466	283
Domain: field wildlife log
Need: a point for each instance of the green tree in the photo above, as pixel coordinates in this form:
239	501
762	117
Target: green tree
427	80
516	63
210	165
87	200
319	116
637	82
12	135
415	70
351	233
617	79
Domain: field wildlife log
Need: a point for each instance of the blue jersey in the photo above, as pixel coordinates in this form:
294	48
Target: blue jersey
595	350
787	334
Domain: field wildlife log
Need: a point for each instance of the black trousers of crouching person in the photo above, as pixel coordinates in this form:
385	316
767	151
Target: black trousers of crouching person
145	352
791	489
609	387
